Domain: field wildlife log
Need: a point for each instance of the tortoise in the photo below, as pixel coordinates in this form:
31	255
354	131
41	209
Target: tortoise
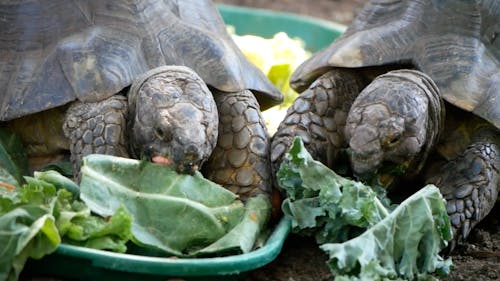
160	80
408	92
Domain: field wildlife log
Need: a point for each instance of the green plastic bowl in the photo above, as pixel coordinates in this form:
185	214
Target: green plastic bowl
316	33
79	263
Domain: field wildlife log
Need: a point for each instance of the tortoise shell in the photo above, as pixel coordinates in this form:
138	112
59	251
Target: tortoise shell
455	42
55	51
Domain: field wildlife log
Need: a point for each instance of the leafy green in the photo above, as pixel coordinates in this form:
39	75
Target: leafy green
191	213
245	234
363	237
277	58
404	244
13	160
35	216
95	232
28	230
324	203
175	213
7	184
59	181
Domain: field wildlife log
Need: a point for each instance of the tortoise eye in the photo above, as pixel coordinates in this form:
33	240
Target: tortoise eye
393	140
162	134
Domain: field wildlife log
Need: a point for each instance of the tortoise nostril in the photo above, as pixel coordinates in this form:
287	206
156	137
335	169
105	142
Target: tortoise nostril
163	133
192	150
159	133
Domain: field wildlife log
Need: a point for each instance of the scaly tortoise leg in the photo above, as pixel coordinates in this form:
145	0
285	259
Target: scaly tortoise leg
96	127
318	116
240	161
470	184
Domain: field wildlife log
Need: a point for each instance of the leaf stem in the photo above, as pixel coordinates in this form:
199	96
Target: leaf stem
381	207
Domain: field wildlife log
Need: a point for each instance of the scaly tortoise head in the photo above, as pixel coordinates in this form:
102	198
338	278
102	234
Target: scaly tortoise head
394	123
181	127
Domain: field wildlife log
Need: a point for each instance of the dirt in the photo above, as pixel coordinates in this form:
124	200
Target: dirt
301	259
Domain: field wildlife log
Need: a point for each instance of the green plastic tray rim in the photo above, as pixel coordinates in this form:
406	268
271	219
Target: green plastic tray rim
227	265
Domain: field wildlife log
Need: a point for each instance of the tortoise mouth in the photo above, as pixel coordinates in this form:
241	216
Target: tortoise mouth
384	174
162	160
184	167
187	168
363	164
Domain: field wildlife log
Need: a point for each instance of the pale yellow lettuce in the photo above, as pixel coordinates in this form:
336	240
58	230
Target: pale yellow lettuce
276	57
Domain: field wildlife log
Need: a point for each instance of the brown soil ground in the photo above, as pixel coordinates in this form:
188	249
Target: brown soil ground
301	259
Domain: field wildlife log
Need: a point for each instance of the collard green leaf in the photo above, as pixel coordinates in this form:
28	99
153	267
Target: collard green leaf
242	237
149	178
8	187
13	158
179	214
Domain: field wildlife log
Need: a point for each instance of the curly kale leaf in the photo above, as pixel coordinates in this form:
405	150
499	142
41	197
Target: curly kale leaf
364	238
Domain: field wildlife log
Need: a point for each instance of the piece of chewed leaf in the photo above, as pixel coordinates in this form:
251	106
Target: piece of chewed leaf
365	238
178	214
